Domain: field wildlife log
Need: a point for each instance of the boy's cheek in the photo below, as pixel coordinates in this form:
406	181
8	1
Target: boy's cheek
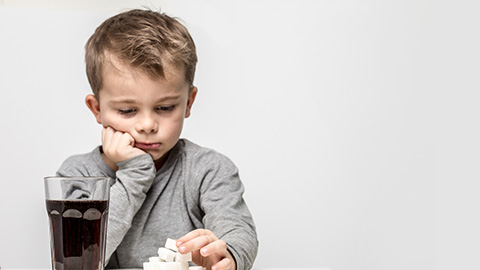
106	123
108	120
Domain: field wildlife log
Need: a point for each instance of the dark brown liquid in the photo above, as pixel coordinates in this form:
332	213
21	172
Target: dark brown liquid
77	234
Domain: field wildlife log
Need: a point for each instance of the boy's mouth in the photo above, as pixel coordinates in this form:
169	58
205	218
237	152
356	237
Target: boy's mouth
147	146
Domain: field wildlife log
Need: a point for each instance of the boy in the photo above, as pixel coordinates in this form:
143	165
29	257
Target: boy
141	65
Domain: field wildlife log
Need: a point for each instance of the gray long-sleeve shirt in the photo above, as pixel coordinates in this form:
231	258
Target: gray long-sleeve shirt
196	188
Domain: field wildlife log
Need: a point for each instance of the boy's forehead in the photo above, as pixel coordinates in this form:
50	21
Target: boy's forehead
117	67
122	81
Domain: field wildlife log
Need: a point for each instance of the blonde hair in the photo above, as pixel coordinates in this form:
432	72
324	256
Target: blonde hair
143	39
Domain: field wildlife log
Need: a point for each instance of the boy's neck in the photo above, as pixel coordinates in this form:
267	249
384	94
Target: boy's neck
161	161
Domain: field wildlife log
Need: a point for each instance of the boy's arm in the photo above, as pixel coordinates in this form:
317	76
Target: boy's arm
134	178
226	213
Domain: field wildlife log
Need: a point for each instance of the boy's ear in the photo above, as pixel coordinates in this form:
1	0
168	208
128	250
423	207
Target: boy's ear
191	99
94	106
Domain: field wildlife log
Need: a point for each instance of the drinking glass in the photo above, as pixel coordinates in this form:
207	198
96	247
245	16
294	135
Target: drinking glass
77	208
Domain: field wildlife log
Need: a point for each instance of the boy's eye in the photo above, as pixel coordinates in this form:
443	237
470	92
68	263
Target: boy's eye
126	111
165	108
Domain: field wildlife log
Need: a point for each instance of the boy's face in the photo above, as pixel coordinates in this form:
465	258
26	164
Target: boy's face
152	111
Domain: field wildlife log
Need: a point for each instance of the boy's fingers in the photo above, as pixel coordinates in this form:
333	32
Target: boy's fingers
191	235
118	146
127	139
112	139
106	137
218	248
197	243
107	134
224	264
209	246
195	240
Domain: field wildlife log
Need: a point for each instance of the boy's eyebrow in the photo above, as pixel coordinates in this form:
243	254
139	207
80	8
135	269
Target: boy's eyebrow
133	101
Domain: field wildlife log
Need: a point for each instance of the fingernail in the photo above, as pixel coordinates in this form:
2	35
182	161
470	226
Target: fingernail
182	249
214	268
204	253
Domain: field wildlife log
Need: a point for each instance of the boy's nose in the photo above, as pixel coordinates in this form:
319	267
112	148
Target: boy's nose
147	124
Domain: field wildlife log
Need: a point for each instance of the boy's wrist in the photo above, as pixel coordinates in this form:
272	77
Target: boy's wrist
143	160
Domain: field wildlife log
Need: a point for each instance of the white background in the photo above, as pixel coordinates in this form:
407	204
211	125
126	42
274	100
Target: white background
354	123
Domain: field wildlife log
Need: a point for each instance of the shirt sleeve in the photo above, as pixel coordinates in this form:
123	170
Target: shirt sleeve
226	213
134	178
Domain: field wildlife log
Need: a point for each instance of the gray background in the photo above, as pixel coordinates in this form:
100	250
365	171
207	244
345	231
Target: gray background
354	123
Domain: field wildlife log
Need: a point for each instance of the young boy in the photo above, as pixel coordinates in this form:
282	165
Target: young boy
141	65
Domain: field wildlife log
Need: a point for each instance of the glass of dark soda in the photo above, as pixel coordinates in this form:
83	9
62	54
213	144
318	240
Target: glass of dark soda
77	209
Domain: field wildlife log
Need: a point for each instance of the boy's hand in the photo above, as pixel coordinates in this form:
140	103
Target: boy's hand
119	146
207	250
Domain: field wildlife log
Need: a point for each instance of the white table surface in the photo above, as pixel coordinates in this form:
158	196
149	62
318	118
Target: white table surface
265	268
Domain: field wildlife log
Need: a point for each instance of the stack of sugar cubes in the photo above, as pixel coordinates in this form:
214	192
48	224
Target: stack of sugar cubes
170	259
